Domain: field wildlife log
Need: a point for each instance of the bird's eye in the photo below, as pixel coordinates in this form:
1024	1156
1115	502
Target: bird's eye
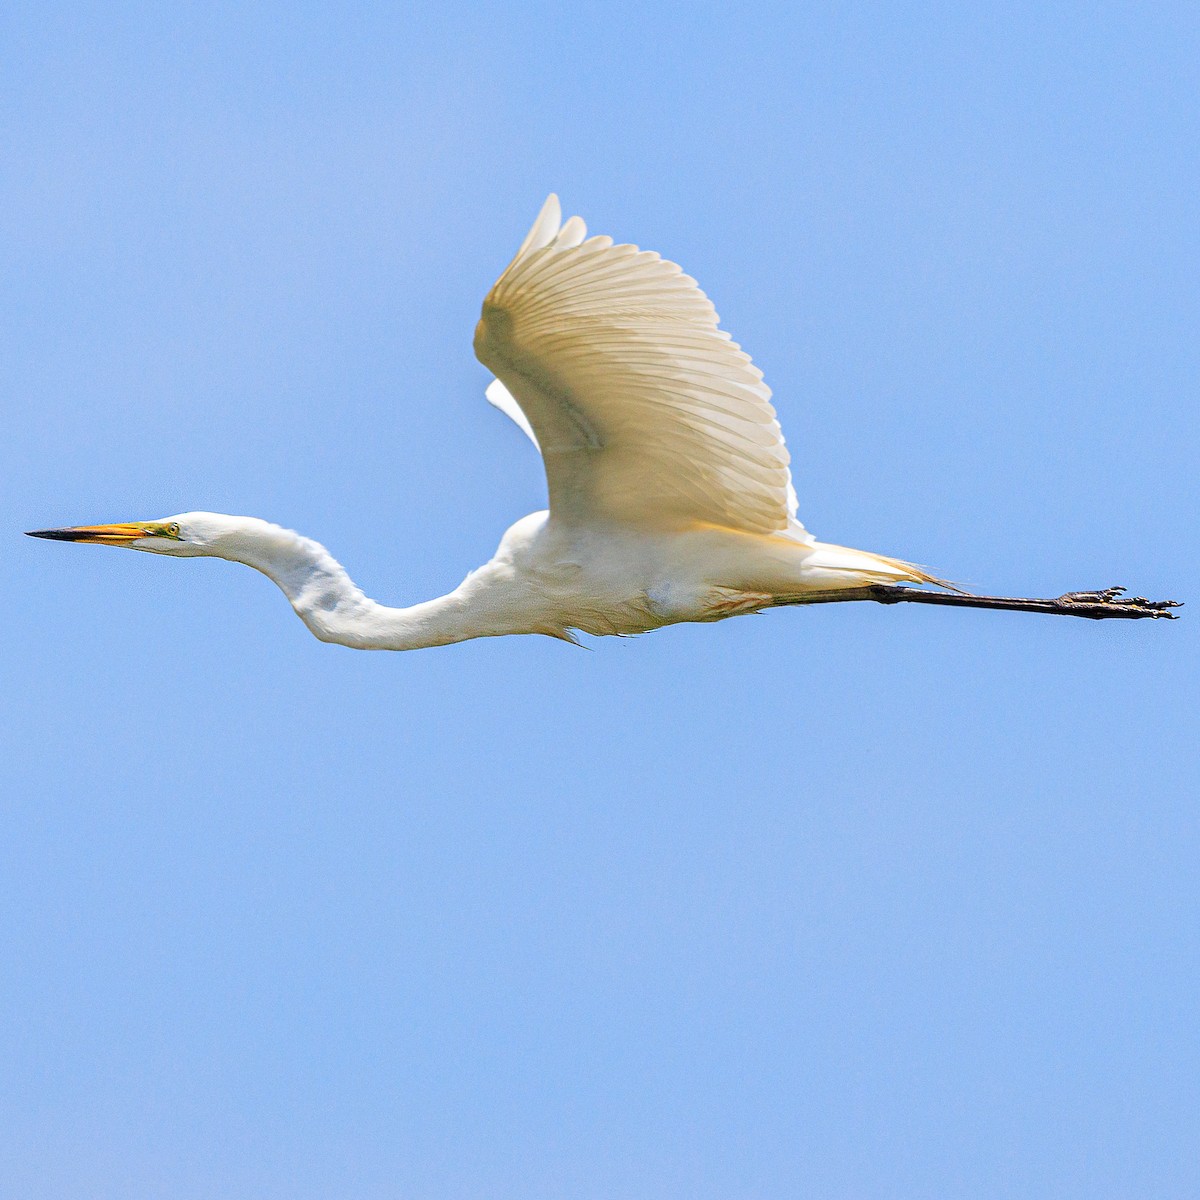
173	529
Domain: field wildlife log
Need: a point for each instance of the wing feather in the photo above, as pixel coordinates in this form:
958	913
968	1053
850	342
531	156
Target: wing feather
645	412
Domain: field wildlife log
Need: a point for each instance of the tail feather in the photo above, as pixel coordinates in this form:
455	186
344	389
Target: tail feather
848	568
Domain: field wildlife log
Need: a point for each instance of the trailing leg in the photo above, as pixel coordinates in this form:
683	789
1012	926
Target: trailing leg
1096	606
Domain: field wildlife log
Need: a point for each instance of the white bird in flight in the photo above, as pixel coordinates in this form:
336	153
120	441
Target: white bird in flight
670	494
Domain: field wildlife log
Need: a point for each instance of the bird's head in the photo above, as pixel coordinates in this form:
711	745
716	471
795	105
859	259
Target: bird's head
184	536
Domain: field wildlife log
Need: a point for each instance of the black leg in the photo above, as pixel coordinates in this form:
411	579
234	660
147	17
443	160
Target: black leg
1096	606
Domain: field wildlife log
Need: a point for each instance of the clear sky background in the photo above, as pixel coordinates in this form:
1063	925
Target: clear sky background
853	903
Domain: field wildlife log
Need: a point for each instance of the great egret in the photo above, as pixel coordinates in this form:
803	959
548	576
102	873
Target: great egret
670	495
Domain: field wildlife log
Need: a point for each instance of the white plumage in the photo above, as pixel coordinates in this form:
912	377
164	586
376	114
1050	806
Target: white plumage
645	412
670	492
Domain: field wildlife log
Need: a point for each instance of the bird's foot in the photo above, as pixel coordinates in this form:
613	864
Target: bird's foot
1112	602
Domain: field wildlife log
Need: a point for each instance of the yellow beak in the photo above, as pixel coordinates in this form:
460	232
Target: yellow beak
105	535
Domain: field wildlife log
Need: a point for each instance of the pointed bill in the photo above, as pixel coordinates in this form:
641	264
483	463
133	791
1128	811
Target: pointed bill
104	535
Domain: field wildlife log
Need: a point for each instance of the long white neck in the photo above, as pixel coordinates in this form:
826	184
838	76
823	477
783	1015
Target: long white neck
327	600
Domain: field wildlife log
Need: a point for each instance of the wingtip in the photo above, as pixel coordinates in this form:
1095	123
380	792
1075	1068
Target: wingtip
545	228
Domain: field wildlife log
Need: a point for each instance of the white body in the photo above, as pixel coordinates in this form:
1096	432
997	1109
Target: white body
545	578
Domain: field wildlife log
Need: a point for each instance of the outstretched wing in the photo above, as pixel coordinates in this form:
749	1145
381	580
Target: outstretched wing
645	412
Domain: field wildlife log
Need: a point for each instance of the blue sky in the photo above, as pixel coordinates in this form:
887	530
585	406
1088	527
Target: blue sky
853	902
